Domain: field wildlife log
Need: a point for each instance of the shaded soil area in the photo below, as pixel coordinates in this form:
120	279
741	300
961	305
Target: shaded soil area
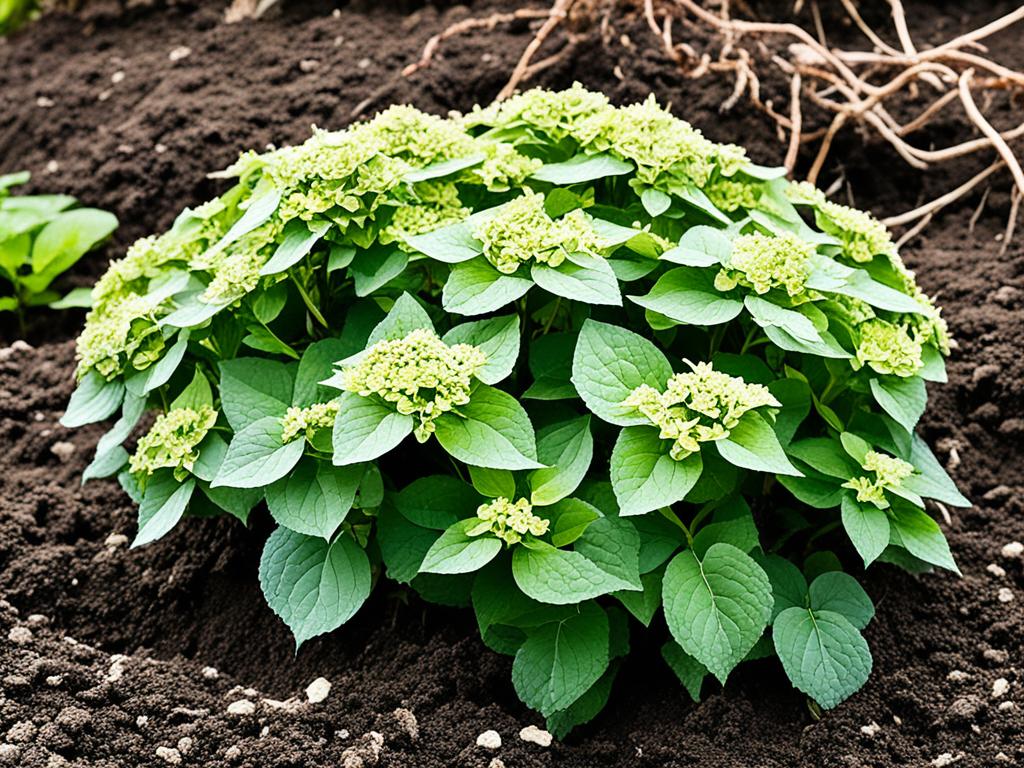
111	657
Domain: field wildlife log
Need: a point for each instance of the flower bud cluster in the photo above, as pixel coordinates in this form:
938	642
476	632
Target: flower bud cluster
862	235
764	262
172	441
523	232
305	421
888	349
697	407
508	520
419	374
889	471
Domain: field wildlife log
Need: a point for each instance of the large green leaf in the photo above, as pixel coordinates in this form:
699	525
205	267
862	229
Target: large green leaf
366	429
609	363
63	241
252	388
476	288
822	652
583	168
867	526
559	576
457	552
498	337
95	399
588	279
688	295
313	585
717	607
566	449
561	660
163	504
257	456
752	444
491	431
644	476
315	497
903	399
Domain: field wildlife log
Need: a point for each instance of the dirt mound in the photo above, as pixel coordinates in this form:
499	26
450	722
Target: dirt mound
140	146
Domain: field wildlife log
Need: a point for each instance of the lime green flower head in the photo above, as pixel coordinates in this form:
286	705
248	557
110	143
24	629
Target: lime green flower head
889	474
236	269
118	332
172	441
419	374
508	520
700	406
416	137
862	235
523	232
888	349
658	142
559	114
729	195
764	262
503	168
305	421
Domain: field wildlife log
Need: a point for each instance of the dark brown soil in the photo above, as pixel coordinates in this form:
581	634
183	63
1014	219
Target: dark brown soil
141	147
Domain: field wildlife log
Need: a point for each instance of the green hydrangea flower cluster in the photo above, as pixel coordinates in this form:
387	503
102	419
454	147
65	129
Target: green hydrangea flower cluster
764	262
862	235
172	441
699	406
306	421
889	471
436	204
120	331
523	232
419	374
888	348
509	521
559	114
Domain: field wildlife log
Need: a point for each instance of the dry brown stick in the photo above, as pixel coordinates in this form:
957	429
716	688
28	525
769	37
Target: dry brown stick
556	15
468	25
986	128
1011	224
826	144
942	201
796	118
977	211
915	230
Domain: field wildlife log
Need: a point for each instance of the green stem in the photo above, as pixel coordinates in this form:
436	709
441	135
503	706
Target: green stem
309	303
673	518
551	319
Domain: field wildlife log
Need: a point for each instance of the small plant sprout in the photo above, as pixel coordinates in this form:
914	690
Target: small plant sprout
571	366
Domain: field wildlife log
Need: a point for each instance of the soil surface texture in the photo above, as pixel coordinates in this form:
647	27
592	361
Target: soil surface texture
168	655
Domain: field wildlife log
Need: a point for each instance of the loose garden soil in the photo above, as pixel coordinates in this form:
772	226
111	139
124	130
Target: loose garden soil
113	657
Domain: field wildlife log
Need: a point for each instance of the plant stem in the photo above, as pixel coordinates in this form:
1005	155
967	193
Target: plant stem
673	518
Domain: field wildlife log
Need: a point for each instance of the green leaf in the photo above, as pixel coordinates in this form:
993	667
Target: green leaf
588	279
561	660
789	587
814	490
717	607
366	429
860	285
476	288
752	444
160	372
163	504
493	483
700	246
451	244
197	394
257	456
437	501
498	337
582	168
566	449
551	366
316	364
570	518
903	399
823	654
373	269
644	604
561	577
736	528
237	502
76	298
315	497
613	545
492	430
688	295
443	168
63	241
585	708
95	399
299	239
826	347
402	544
691	673
795	396
260	207
457	552
406	316
766	314
655	202
252	388
313	585
644	476
840	593
609	363
826	455
921	536
932	482
867	526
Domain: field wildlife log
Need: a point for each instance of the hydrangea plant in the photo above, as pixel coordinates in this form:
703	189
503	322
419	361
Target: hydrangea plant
571	365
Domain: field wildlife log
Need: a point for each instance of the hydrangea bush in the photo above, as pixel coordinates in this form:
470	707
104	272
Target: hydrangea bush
571	365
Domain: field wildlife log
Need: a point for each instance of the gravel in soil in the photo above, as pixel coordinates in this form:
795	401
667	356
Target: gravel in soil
168	655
